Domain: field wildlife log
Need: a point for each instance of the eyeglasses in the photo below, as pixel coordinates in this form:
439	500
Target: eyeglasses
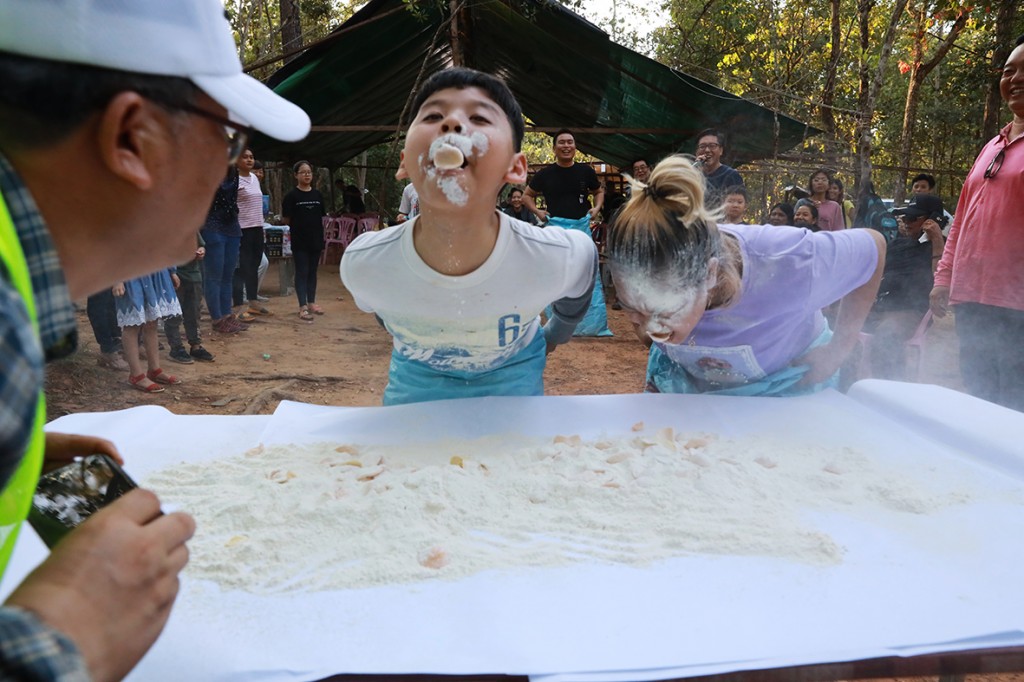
708	146
235	134
995	164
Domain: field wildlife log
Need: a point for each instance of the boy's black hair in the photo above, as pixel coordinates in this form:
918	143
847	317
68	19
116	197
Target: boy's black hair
461	78
559	133
1020	41
738	189
930	179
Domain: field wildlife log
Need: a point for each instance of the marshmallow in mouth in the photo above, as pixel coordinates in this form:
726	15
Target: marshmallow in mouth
448	157
451	151
660	336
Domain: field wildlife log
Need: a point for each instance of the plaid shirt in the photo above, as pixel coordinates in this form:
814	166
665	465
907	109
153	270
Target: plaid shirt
21	353
30	650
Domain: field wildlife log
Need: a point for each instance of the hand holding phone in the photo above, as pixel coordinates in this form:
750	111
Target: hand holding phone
110	584
67	496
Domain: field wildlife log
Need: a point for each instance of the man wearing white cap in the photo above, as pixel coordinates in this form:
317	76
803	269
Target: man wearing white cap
147	101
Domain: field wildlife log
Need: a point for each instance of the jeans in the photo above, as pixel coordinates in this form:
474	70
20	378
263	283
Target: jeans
103	318
306	263
189	294
218	271
247	275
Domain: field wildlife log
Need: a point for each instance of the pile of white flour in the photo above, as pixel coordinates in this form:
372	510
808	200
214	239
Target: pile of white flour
332	516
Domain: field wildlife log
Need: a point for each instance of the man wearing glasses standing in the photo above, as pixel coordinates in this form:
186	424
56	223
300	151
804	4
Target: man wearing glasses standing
148	102
719	177
981	272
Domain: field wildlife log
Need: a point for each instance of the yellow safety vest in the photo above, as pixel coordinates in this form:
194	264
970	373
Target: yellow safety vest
17	495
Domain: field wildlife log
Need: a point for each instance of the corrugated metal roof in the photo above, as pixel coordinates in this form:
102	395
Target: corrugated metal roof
564	71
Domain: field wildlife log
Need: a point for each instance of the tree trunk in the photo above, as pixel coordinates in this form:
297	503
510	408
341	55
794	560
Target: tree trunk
919	70
871	84
361	172
291	27
828	97
458	33
1005	20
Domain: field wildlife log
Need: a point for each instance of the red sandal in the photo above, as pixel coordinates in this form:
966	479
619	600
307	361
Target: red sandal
160	377
151	388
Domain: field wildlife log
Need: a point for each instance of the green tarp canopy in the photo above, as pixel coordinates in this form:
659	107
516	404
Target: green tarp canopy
565	72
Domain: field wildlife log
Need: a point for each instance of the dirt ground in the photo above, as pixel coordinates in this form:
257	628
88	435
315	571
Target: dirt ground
341	358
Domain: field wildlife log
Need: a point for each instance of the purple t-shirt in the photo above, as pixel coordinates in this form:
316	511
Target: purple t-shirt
789	275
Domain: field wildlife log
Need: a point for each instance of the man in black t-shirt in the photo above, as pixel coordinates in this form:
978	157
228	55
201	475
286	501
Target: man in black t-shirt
565	184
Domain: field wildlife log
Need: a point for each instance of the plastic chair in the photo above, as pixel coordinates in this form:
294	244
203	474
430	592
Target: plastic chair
347	231
367	224
330	236
337	231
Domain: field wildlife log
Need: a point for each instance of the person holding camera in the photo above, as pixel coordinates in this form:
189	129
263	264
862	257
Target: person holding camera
906	282
149	133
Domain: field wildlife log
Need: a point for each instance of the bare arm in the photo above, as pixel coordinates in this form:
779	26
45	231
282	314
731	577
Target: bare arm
528	200
938	299
598	201
853	310
938	242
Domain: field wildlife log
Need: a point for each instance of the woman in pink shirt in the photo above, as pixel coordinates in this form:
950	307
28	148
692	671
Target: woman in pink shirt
250	219
830	214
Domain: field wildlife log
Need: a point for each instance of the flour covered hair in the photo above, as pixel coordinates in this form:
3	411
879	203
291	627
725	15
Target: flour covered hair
664	230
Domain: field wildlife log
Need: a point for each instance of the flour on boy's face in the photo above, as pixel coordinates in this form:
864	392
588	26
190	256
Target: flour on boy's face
454	150
447	157
458	146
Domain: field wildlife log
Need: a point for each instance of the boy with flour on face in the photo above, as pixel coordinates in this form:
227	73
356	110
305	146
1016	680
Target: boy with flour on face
461	286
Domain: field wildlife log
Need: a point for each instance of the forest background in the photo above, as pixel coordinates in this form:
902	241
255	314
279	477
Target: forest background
899	87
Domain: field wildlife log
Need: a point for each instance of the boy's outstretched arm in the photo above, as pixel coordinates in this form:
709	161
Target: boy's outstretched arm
569	312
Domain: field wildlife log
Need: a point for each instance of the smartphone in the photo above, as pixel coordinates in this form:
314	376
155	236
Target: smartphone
69	495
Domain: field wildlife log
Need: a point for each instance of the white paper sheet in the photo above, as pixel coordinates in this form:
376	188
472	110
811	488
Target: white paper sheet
920	584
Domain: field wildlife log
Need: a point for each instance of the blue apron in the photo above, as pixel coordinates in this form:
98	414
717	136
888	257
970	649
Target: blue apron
414	381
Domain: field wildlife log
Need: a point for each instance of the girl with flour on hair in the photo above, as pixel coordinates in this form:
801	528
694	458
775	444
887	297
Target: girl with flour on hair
736	309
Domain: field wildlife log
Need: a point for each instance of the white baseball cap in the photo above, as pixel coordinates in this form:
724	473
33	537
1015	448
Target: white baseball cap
186	38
